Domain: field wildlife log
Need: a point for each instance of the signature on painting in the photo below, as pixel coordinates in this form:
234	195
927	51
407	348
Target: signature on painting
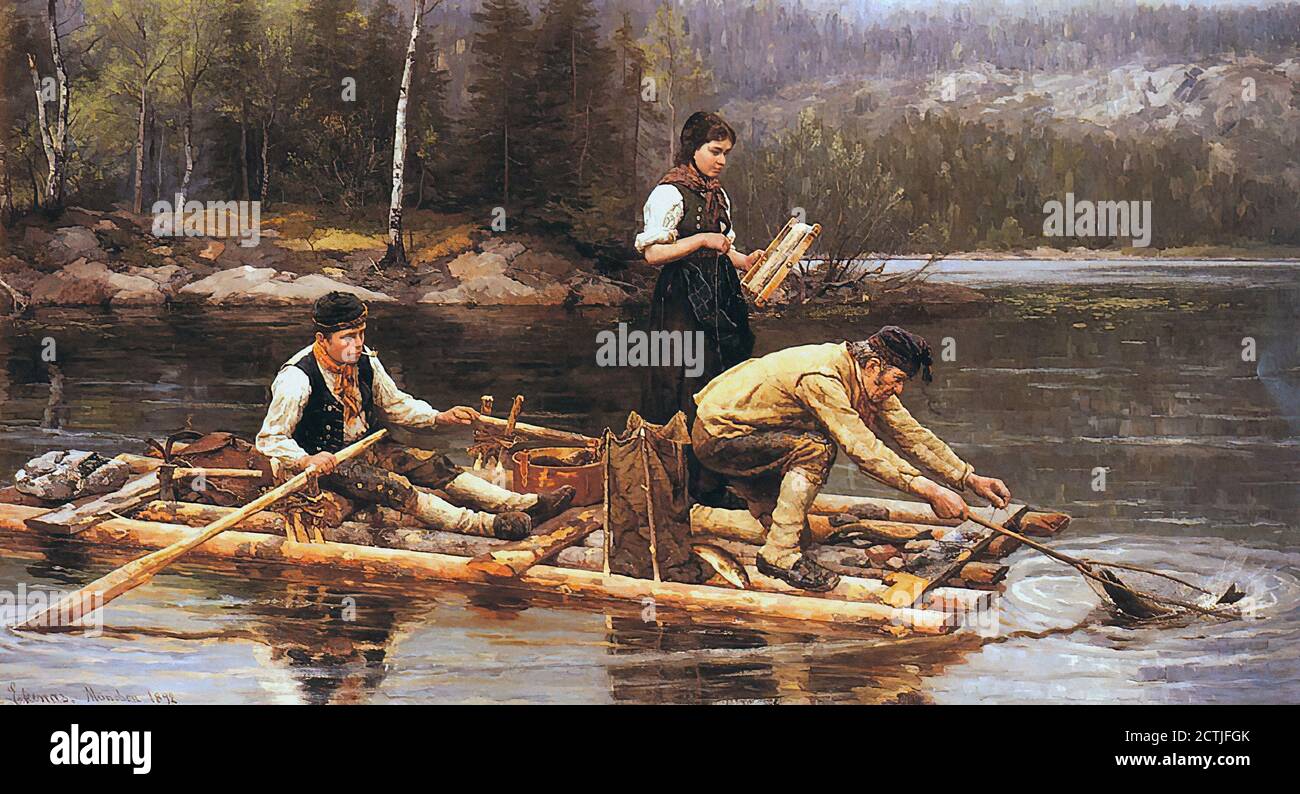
85	693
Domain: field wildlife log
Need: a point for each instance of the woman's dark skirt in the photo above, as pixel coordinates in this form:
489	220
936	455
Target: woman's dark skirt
699	294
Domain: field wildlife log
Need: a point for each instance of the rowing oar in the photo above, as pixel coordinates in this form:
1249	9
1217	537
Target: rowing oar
135	573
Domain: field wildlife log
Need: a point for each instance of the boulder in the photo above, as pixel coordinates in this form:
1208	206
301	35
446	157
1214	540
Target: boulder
81	283
60	475
71	243
545	262
229	284
18	274
263	255
498	290
498	246
135	290
598	292
84	283
35	237
267	286
308	288
471	265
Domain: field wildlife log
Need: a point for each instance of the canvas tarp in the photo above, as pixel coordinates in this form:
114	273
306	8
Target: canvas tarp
647	516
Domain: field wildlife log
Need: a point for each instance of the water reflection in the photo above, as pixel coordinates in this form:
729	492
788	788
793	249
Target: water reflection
1145	381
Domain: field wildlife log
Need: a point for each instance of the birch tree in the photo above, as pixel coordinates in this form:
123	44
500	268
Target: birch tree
396	253
133	30
195	32
54	132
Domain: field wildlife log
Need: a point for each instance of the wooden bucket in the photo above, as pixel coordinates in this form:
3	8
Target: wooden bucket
530	477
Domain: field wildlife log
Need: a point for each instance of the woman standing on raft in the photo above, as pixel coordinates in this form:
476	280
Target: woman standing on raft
688	234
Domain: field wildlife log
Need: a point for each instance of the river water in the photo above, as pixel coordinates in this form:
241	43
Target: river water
1175	383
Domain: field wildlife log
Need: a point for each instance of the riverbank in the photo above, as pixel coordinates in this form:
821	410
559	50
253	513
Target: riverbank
115	258
92	257
1225	253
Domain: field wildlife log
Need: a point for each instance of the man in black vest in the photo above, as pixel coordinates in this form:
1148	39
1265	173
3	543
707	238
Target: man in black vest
330	393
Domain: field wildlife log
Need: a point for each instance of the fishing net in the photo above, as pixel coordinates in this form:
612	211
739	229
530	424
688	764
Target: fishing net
1149	594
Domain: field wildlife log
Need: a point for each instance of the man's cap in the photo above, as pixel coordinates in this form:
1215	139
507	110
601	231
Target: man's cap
338	311
903	349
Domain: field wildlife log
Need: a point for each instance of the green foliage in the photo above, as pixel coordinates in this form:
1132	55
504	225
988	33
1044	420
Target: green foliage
549	117
503	115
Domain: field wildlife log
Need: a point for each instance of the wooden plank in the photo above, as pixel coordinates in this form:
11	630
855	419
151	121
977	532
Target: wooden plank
71	519
916	586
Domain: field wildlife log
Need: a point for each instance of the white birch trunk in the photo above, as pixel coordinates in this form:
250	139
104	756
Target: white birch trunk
396	251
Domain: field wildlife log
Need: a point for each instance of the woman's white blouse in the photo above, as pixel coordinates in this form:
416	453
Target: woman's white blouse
663	211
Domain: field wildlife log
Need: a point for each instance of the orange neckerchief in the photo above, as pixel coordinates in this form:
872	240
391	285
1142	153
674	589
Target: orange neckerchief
349	388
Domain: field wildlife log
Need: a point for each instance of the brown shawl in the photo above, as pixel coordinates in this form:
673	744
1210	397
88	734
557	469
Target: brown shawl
688	176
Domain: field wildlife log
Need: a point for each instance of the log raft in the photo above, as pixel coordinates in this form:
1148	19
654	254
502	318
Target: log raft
387	546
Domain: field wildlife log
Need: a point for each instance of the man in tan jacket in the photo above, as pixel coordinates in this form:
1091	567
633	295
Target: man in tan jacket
771	425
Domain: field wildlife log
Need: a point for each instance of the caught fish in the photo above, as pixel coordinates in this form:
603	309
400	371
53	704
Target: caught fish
1232	595
721	561
863	535
1132	605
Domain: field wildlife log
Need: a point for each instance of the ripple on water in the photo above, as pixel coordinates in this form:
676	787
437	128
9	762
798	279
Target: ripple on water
1093	657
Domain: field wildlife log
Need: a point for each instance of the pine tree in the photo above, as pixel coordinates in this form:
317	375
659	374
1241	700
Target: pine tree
572	95
502	115
236	74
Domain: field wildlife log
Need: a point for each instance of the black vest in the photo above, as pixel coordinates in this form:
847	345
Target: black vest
712	283
321	426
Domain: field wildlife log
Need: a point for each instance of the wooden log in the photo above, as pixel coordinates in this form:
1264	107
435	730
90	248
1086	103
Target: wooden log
1042	524
334	509
442	567
183	472
392	529
143	464
557	534
196	515
880	509
1000	547
559	438
434	541
741	525
586	558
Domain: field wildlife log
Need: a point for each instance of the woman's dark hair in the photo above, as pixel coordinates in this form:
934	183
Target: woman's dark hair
698	130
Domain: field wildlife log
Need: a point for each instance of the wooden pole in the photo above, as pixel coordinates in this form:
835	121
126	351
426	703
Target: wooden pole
559	438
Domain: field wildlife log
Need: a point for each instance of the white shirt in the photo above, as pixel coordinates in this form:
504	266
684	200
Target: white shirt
663	211
289	393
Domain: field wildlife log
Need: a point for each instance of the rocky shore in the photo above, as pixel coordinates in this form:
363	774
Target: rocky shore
112	258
